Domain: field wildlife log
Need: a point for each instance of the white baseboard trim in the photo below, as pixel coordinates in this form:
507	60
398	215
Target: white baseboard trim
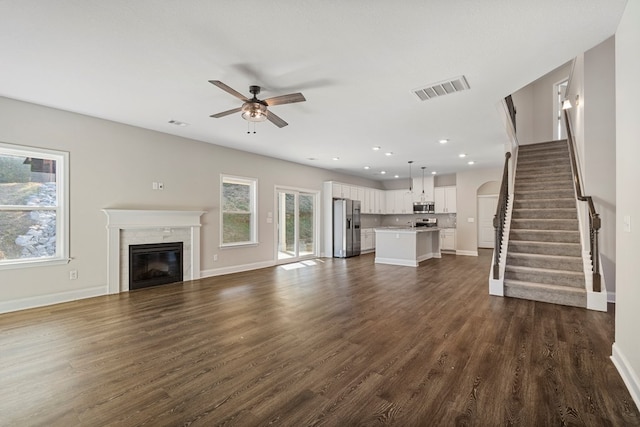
57	298
628	374
467	253
396	261
236	269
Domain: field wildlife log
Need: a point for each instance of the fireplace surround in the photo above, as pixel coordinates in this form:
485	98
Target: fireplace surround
133	227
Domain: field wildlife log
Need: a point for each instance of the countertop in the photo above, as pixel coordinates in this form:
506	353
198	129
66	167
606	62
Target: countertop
406	229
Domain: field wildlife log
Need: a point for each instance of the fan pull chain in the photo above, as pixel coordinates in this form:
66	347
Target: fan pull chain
249	127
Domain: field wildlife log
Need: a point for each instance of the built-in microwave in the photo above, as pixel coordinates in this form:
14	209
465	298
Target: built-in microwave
424	207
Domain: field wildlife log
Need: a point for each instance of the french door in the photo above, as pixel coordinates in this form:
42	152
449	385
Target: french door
297	225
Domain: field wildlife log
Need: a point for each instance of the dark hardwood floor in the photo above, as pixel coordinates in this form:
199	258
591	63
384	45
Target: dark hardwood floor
337	343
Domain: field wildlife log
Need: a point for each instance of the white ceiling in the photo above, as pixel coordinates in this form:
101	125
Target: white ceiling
146	62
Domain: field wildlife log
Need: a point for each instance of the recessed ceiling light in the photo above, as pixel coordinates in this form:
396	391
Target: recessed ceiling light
178	123
367	167
470	162
388	153
443	141
336	158
383	172
461	155
376	148
433	173
396	176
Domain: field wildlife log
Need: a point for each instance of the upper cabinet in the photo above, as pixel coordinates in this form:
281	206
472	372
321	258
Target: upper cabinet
445	199
418	196
344	191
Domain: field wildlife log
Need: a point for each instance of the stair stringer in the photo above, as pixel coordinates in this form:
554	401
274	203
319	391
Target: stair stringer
496	286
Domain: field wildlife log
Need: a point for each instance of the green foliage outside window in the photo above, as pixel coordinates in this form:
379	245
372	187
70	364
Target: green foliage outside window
238	216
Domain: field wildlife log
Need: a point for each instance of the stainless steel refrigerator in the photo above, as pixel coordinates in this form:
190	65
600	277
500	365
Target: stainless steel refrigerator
346	228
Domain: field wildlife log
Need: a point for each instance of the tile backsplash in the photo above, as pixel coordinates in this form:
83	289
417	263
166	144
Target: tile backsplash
372	221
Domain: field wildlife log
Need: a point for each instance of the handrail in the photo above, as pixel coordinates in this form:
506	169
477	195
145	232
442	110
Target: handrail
511	108
594	218
499	218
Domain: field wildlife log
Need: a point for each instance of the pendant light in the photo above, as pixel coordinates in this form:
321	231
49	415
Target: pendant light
422	196
410	178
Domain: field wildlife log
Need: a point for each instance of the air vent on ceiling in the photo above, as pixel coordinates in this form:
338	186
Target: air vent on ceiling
442	88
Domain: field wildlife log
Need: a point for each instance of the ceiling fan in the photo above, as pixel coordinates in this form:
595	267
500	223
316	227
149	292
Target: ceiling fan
254	109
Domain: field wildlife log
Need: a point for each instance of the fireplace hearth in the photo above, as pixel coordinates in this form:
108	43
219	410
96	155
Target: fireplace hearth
155	264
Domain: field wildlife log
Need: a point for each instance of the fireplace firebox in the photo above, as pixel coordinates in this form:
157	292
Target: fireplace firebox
155	264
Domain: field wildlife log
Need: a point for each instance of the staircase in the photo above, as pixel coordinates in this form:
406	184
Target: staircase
544	259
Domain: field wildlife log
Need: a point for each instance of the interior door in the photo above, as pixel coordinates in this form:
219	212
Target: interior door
486	211
296	226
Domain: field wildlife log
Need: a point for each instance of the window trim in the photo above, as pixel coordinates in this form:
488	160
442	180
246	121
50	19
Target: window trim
253	206
62	209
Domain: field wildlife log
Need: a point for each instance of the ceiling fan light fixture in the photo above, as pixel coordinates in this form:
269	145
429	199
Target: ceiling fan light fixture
254	112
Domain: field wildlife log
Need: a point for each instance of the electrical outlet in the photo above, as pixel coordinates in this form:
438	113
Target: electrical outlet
154	185
215	257
73	274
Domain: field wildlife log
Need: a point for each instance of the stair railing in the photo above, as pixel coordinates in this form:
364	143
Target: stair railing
499	218
511	109
594	218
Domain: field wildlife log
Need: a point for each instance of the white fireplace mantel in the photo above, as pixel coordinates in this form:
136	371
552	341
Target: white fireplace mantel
119	220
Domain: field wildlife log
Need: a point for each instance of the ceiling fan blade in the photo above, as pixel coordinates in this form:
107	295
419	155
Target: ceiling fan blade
285	99
228	89
226	113
276	120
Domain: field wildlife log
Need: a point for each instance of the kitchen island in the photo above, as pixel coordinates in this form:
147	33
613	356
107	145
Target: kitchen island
406	246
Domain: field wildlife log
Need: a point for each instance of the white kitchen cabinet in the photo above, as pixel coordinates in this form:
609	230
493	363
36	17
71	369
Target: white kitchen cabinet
448	239
337	190
379	202
445	199
367	239
398	202
428	195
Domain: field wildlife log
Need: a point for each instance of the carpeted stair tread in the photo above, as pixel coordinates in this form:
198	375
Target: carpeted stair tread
544	224
544	194
545	293
558	236
563	202
544	213
544	247
545	275
545	261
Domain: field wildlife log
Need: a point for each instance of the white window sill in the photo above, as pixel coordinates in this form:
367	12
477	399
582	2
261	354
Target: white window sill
15	264
238	245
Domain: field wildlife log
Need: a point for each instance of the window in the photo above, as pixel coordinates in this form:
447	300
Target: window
238	220
33	206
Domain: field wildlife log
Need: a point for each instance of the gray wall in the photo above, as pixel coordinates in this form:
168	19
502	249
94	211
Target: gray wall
626	350
112	165
600	147
535	103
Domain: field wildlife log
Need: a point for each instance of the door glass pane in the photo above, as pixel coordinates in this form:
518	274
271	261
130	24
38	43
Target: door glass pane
305	215
286	226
